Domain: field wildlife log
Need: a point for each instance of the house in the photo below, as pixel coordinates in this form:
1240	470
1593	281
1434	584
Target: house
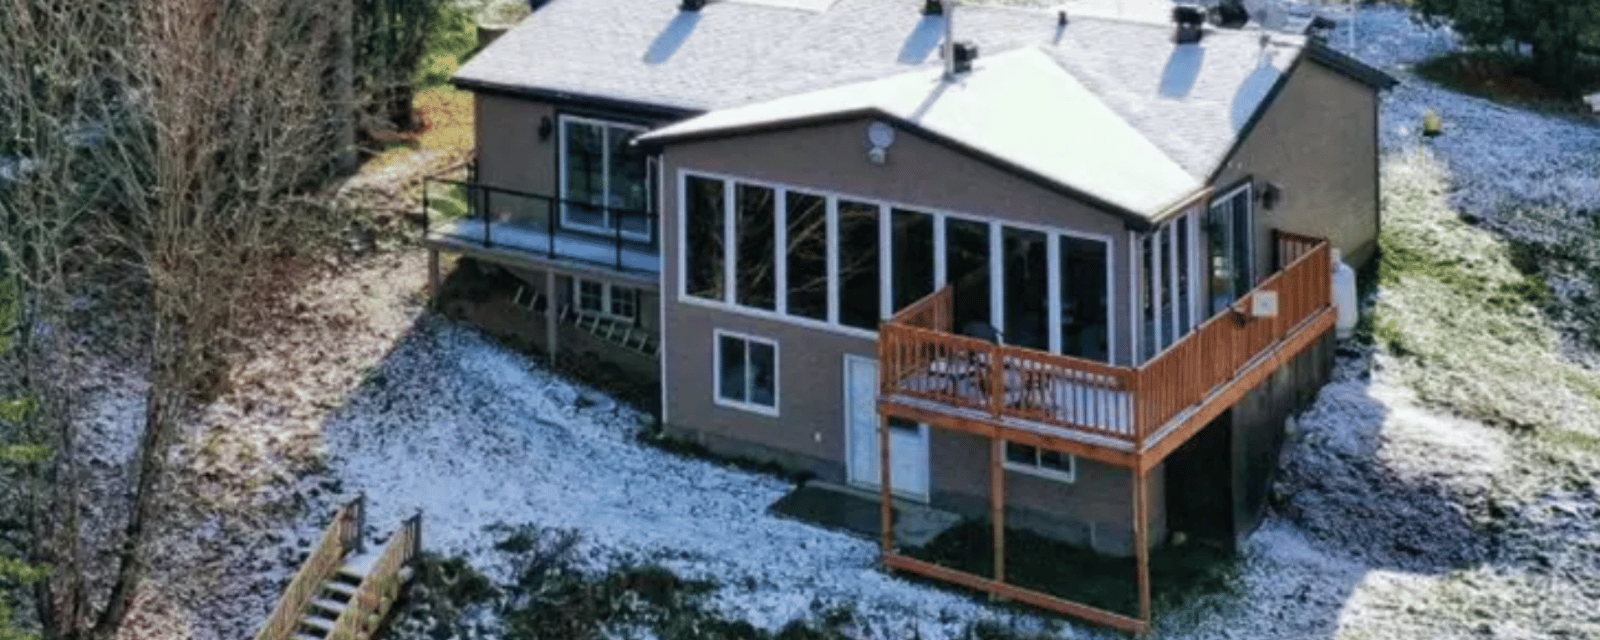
1069	273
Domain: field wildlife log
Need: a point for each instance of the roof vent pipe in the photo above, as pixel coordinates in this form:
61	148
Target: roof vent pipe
1190	21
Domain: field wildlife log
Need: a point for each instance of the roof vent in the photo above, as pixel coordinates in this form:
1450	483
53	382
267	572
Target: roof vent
1230	14
1320	27
961	56
692	5
1190	21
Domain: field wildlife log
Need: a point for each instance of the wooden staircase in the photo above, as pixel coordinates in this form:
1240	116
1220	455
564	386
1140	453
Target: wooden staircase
343	591
616	331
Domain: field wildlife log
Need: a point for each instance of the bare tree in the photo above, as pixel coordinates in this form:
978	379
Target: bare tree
176	137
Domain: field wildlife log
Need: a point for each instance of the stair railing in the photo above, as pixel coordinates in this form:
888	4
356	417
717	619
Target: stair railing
337	540
380	588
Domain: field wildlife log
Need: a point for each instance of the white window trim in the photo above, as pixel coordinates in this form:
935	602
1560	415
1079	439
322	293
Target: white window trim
832	324
607	294
1248	189
716	373
561	187
1196	297
1040	471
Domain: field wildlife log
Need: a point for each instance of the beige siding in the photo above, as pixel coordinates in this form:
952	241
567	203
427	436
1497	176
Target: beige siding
1095	509
810	430
1318	143
510	153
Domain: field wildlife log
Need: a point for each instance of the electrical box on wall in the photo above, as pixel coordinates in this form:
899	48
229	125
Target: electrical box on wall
1264	304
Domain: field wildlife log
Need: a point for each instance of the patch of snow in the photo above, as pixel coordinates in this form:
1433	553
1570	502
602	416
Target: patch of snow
472	435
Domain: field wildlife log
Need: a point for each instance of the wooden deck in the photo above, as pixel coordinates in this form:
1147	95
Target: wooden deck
1127	416
1138	413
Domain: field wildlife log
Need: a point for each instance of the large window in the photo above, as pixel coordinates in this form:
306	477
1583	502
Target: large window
859	285
755	212
807	239
605	185
1084	328
967	267
1166	296
1046	463
912	248
840	262
1026	268
746	372
703	257
1228	247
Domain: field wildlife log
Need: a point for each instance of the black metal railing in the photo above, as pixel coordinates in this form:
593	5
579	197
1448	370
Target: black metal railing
626	240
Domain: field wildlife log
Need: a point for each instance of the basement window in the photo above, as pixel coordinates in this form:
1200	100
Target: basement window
1046	463
747	373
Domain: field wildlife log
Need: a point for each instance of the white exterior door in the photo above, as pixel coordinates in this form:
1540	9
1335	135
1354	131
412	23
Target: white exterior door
908	443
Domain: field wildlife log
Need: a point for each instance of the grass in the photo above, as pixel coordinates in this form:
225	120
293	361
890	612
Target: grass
1470	314
1034	562
1506	78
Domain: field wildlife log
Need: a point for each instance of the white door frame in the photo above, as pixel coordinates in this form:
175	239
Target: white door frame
850	435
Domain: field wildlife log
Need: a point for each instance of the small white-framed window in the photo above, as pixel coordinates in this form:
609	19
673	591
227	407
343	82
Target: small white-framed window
591	296
746	372
605	178
1046	463
623	302
600	298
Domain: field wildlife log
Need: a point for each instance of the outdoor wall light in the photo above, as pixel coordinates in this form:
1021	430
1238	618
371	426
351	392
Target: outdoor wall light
1270	194
546	127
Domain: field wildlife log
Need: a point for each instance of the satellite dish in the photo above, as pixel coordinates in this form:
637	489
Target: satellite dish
880	134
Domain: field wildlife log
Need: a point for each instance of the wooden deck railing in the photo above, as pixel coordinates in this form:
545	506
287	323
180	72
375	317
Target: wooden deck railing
1214	353
341	536
381	586
920	357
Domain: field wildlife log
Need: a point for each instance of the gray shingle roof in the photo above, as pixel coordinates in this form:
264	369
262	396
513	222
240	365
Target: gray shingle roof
1189	101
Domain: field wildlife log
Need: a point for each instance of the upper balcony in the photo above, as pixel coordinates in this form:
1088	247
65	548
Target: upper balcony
541	230
1131	416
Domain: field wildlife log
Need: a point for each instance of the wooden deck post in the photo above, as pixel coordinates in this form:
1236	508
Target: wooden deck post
551	340
433	276
886	478
1141	535
997	505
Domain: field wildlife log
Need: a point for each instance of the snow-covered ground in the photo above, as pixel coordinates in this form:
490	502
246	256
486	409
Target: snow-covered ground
473	435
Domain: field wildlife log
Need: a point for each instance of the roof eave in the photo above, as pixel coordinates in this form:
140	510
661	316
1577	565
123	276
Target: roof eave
556	96
1135	219
1349	66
